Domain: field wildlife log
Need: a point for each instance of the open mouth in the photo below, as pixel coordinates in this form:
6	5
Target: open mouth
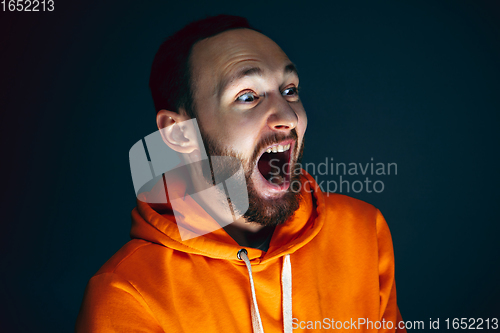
274	164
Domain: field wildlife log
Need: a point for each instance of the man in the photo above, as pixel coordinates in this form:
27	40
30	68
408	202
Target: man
295	258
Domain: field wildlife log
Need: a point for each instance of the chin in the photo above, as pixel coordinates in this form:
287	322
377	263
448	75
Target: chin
271	210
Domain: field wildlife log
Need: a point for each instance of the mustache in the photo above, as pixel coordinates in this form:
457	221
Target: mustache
272	139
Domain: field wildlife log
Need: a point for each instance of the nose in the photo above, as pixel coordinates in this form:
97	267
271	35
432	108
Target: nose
281	115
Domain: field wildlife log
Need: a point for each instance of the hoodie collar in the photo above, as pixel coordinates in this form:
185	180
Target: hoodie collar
157	223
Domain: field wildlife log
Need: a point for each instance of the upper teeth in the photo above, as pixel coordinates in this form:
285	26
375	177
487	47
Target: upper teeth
278	148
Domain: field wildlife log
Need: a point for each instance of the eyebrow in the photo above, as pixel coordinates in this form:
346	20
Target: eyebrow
246	71
290	68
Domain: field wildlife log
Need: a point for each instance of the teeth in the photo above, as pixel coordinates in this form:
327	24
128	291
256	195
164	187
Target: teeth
278	148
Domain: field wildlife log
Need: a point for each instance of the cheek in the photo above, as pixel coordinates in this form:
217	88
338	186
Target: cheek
241	134
302	120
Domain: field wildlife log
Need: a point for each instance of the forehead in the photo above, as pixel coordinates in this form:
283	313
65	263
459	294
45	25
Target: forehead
215	58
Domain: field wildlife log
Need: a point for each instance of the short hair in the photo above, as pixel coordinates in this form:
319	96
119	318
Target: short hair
170	79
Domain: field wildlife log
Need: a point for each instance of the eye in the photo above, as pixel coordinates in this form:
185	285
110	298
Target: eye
247	97
291	92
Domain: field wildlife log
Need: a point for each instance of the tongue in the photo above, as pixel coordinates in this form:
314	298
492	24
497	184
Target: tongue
277	180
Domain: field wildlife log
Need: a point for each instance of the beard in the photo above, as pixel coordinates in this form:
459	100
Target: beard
266	212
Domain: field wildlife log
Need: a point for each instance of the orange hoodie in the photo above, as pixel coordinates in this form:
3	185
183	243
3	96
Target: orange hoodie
330	266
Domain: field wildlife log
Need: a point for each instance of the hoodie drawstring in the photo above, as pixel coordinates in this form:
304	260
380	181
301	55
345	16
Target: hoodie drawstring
256	321
286	284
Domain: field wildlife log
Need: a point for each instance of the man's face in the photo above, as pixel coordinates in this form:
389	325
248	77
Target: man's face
247	106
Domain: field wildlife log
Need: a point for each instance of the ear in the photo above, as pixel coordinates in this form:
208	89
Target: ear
175	134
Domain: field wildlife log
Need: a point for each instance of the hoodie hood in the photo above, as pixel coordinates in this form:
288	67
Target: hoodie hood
160	282
157	223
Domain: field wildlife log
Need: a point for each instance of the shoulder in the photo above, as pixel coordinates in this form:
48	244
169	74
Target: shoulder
112	302
119	279
343	205
129	256
347	215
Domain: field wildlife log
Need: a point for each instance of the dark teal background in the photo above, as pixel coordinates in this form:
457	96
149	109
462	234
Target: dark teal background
414	83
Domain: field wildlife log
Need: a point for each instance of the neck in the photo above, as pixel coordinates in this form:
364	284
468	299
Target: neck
216	204
249	234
